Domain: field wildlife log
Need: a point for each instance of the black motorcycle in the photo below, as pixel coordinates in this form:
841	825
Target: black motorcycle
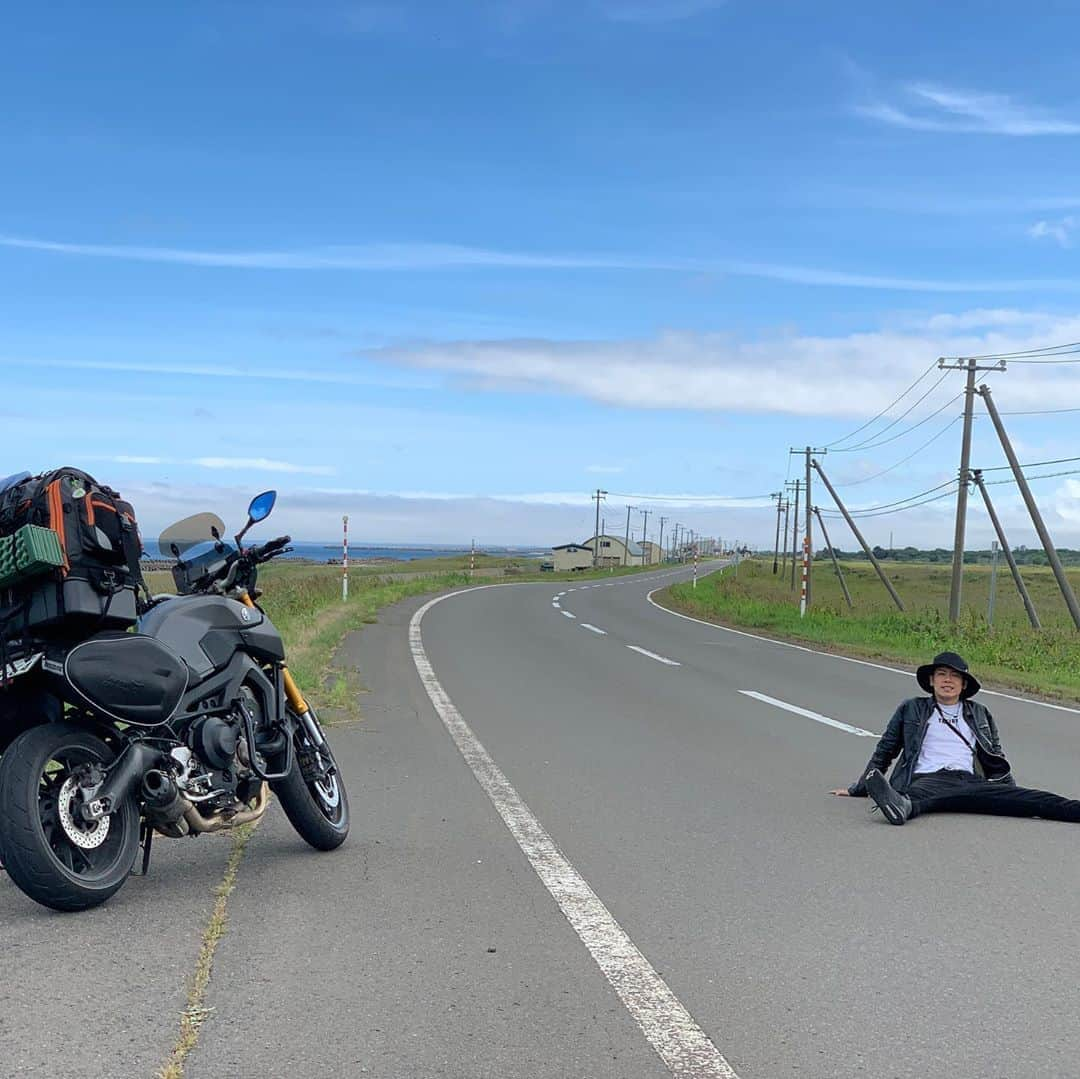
176	729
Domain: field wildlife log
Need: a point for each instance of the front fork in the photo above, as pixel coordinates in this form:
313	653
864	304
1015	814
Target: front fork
295	698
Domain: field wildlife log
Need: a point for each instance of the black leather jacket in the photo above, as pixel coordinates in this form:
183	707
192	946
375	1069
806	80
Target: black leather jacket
904	736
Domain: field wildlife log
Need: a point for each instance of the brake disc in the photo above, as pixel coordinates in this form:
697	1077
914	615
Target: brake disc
84	836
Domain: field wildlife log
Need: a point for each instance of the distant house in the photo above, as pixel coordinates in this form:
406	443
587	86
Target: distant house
653	554
614	552
569	556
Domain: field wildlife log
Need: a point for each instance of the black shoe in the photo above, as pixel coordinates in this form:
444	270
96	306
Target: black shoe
894	806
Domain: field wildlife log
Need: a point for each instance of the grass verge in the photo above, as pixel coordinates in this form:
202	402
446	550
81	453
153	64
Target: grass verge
1008	653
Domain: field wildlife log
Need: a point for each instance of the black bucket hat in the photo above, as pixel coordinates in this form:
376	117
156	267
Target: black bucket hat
955	663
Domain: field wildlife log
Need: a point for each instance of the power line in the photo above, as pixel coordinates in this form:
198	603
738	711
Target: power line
884	410
901	509
1033	464
906	431
1041	412
1044	476
901	501
889	426
885	471
1028	355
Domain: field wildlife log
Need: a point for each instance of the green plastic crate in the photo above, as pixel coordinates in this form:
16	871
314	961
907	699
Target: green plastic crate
30	552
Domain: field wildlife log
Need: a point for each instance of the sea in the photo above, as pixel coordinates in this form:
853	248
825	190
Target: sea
330	552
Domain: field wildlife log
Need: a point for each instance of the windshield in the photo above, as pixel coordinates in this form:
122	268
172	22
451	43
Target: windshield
177	538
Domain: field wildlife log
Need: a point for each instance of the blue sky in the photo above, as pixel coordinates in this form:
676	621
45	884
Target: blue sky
450	267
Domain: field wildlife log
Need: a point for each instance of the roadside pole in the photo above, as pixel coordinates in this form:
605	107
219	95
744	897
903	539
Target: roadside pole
993	581
472	559
345	558
1033	616
695	563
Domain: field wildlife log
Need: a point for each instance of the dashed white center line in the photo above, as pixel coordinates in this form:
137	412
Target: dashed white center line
567	614
595	629
671	1030
556	604
817	717
653	655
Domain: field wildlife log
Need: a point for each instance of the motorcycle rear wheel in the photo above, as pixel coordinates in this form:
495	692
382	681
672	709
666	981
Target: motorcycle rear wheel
318	808
49	852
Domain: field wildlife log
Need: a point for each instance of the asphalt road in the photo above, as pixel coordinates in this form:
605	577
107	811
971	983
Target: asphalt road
798	934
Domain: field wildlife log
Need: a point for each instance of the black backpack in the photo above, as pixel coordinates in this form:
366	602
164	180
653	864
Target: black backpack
100	548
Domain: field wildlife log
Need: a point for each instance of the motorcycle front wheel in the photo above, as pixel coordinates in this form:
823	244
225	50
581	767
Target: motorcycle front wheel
313	793
50	852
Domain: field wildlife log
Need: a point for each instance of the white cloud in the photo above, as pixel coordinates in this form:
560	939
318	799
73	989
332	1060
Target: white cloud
428	257
1060	230
924	106
605	470
854	375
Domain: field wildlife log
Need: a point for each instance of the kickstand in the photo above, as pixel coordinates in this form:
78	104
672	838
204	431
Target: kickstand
146	839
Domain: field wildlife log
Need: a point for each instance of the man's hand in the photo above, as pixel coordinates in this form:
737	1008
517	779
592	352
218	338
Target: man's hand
841	792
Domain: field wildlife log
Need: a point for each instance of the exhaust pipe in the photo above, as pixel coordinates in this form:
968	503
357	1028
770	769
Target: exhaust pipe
163	801
220	821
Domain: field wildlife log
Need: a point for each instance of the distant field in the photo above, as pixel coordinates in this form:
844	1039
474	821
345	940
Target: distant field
1008	653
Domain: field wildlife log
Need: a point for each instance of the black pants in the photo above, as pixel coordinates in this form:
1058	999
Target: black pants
962	792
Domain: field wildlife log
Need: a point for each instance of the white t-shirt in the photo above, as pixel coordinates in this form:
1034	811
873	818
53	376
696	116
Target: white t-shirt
941	748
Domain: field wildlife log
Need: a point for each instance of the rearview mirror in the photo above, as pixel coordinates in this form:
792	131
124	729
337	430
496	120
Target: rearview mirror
261	505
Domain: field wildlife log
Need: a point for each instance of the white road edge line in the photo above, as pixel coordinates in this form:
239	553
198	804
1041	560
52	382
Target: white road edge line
816	716
670	1029
653	655
567	614
845	659
595	629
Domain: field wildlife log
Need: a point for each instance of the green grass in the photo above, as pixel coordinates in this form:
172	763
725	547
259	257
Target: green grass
1008	653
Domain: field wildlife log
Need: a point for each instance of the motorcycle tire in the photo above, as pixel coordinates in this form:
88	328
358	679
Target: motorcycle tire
52	855
318	810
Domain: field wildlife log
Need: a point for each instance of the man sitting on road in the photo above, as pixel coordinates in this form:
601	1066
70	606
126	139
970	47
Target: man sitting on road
950	757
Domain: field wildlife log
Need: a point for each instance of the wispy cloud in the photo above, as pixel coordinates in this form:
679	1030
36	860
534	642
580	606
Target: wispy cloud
240	464
921	106
655	11
432	257
605	470
792	374
1061	230
341	376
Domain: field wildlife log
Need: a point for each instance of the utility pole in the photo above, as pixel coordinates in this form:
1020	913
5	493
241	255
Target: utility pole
808	539
859	536
783	559
645	537
626	545
1033	617
596	539
779	496
661	543
1033	510
836	565
795	533
971	366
